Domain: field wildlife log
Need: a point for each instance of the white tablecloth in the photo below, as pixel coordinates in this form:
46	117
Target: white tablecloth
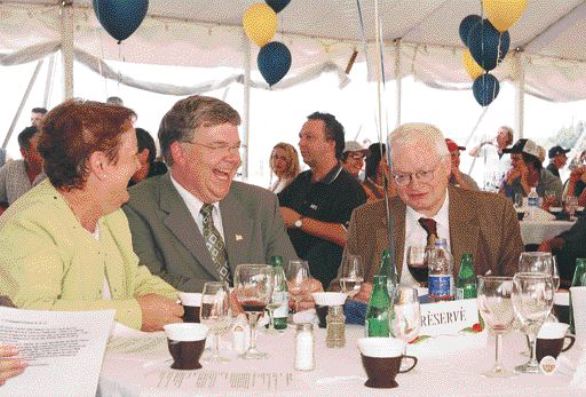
534	232
338	372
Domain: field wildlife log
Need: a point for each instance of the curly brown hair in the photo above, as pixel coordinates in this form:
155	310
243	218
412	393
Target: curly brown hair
72	131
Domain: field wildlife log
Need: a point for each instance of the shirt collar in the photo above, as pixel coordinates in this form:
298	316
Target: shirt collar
442	216
331	175
193	203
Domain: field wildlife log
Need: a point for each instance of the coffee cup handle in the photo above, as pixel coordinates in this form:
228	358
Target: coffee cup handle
572	339
412	366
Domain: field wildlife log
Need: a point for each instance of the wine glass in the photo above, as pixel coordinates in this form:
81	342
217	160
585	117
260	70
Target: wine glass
571	204
215	313
417	263
532	301
406	318
352	274
532	262
297	273
253	286
496	309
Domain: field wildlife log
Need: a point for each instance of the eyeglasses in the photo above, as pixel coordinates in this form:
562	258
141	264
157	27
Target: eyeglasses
422	176
223	148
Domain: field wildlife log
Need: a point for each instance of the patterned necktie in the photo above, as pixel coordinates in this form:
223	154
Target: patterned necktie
430	227
215	243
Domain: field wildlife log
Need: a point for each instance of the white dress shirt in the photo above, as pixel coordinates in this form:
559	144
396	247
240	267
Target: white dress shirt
194	206
416	235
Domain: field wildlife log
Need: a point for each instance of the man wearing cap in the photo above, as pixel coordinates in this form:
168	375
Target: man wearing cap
557	159
527	172
457	177
353	158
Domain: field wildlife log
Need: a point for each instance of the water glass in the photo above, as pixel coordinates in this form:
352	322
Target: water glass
406	319
215	313
496	308
297	273
532	301
352	274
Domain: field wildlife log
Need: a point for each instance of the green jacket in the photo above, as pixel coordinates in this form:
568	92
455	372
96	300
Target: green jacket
49	262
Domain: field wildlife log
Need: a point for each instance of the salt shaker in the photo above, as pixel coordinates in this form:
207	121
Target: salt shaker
304	348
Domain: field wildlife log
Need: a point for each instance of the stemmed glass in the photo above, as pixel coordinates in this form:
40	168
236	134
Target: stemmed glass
417	263
532	300
253	286
352	274
496	309
406	319
215	313
540	262
297	273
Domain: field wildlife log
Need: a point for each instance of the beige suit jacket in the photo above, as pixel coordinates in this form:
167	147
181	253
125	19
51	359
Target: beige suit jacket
483	224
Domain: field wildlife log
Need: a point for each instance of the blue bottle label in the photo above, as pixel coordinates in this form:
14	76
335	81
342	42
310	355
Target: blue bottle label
439	285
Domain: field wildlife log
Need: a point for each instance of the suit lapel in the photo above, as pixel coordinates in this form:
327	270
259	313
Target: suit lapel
180	222
237	230
464	228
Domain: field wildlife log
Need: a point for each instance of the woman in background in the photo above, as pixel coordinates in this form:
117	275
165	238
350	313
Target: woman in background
284	163
377	169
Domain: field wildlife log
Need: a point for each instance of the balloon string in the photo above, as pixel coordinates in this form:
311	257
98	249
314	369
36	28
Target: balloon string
482	114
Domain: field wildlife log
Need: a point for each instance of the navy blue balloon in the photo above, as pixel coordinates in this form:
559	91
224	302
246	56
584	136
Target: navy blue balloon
486	89
467	24
277	5
121	18
274	61
487	45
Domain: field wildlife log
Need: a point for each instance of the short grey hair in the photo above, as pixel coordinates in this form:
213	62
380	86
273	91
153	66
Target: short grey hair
417	132
180	123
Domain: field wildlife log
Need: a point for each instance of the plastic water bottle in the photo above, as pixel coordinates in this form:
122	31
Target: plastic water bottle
533	203
441	281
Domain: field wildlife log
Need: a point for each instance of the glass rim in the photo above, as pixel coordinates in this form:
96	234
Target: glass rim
503	278
532	275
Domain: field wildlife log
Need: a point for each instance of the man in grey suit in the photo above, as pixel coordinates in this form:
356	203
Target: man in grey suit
195	224
482	224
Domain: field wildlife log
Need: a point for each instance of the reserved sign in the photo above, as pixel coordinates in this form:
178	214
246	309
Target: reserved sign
450	317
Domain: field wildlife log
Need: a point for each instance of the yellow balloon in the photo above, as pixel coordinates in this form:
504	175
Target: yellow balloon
503	13
260	23
473	69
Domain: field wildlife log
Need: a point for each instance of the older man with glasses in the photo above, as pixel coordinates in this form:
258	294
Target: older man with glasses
195	224
479	223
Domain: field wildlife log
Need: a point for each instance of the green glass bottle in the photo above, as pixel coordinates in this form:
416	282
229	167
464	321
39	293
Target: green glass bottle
466	284
388	269
377	314
578	280
280	298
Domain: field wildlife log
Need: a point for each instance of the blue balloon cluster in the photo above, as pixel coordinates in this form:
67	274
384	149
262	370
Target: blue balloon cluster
488	47
121	18
485	89
277	5
274	61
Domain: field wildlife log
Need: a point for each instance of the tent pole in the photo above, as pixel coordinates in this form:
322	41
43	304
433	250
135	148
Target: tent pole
519	94
49	81
246	110
67	47
22	102
398	81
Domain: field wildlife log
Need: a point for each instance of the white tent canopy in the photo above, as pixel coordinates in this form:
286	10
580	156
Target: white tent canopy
420	39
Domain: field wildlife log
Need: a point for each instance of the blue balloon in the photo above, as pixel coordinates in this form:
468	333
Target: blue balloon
487	45
274	61
120	18
277	5
467	24
485	89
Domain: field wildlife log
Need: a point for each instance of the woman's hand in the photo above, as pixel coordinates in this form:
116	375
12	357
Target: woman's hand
10	364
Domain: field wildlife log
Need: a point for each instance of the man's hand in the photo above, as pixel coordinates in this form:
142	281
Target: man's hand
289	216
157	311
303	294
364	294
10	364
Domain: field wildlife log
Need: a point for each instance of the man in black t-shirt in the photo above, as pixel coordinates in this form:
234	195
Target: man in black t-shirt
317	205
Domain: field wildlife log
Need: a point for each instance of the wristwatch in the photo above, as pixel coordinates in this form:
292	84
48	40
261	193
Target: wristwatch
298	223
